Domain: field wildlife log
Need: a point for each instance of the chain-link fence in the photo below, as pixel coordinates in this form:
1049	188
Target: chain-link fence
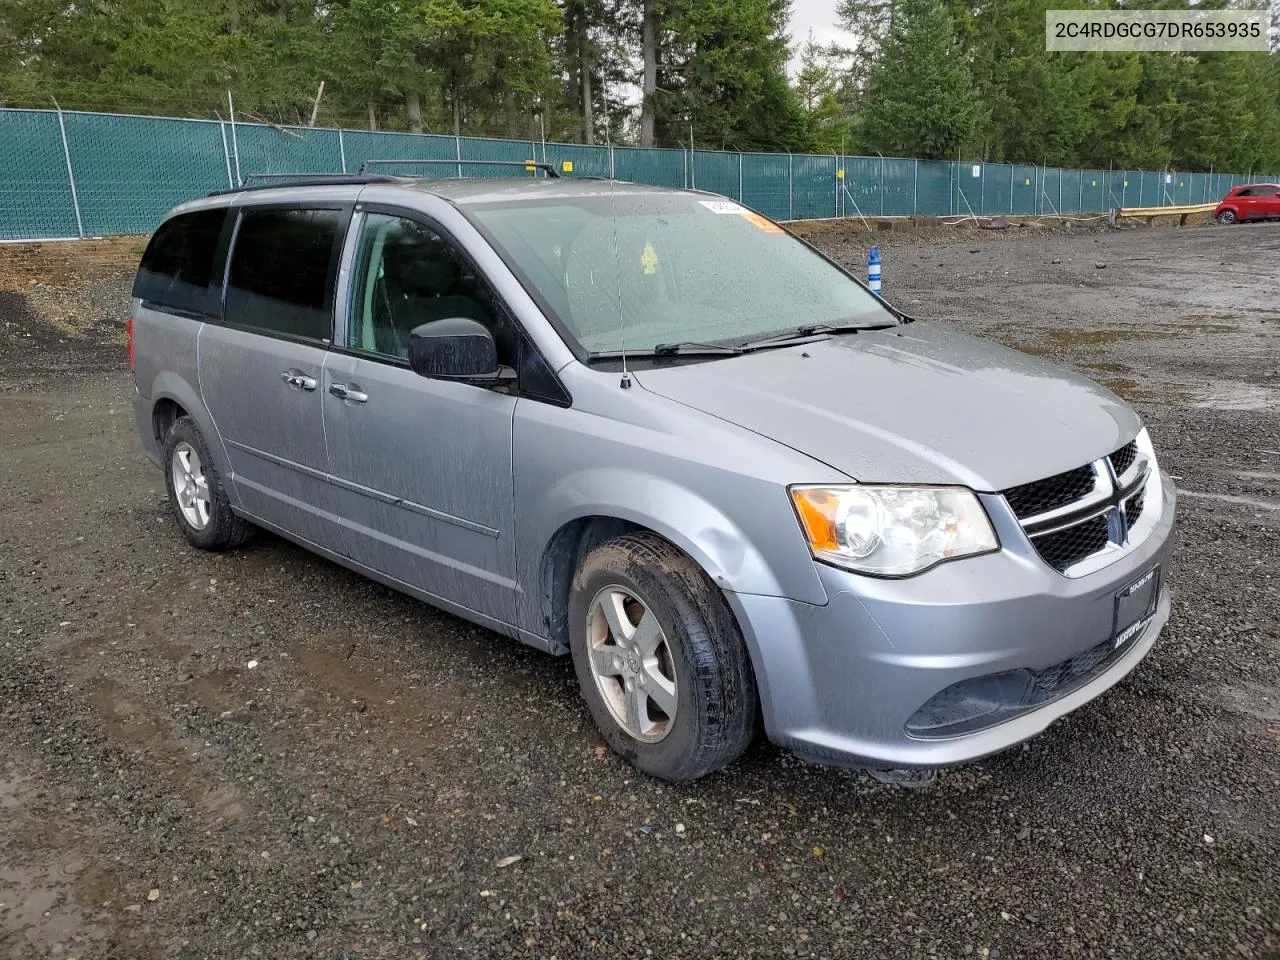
74	174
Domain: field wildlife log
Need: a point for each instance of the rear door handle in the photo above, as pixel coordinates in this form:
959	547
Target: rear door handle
343	392
298	380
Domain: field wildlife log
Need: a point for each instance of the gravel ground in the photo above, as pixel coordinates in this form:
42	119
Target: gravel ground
363	791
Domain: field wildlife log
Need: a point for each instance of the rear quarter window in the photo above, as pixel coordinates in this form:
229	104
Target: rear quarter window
179	264
282	272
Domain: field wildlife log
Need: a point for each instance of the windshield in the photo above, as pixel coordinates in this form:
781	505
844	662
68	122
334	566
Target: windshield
637	270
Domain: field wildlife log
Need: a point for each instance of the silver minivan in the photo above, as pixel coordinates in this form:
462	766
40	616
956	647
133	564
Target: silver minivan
652	429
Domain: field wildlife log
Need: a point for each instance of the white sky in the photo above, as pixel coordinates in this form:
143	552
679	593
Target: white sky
818	15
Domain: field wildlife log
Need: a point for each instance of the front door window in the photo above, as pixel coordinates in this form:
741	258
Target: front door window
408	275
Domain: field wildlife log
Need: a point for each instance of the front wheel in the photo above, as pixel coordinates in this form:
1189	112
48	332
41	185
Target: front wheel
659	659
196	492
1227	216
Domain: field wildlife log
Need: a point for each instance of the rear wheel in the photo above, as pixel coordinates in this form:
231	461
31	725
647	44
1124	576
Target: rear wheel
196	492
659	659
1227	216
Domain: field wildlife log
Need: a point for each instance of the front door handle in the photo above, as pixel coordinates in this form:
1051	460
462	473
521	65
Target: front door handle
298	380
343	392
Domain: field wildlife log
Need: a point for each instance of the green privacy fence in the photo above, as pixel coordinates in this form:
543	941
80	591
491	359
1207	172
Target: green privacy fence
72	174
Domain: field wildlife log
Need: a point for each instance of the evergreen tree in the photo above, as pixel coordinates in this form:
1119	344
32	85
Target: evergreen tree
722	69
1242	131
1034	114
819	87
593	58
929	78
919	98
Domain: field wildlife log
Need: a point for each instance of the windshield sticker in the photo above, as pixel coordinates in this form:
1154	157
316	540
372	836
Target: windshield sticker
761	223
649	259
728	207
723	206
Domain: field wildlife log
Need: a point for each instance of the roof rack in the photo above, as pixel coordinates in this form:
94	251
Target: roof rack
306	180
546	168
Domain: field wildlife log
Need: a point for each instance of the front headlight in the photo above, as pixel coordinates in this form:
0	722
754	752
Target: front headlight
892	531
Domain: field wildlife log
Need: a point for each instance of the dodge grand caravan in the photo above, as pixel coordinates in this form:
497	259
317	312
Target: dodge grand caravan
652	429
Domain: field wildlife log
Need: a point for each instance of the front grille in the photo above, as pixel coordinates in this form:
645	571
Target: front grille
1133	507
1085	514
1041	496
1057	679
1123	458
982	702
1063	548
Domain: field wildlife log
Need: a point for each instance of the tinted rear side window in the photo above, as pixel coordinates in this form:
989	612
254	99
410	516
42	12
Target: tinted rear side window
282	272
178	265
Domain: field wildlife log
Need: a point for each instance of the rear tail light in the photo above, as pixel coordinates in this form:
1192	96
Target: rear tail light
131	343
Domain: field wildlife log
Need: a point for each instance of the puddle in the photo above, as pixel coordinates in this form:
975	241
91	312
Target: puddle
98	886
1236	396
1150	391
9	789
1094	338
39	868
127	723
1207	323
1253	700
41	909
1183	328
1121	386
133	726
221	689
1253	503
28	899
1055	341
409	718
1257	475
222	803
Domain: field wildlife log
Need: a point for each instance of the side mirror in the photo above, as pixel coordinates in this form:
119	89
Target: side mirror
456	348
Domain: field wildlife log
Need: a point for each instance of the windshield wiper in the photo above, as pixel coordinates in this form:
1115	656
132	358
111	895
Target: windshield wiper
688	348
810	331
685	348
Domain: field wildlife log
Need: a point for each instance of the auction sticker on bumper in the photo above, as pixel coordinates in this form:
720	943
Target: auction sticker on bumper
1134	606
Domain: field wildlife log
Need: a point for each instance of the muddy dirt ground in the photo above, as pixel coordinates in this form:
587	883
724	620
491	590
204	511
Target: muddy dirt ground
363	790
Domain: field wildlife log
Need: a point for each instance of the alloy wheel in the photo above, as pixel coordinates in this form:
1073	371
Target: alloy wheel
632	664
190	486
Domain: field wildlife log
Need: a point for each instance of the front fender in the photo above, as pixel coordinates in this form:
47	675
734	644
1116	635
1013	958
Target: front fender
716	491
170	385
770	559
691	522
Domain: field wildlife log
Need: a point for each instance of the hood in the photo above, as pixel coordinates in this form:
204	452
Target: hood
919	403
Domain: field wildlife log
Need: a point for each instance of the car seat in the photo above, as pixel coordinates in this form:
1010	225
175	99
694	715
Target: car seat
424	284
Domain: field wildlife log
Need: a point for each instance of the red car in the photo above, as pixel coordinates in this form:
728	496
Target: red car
1252	201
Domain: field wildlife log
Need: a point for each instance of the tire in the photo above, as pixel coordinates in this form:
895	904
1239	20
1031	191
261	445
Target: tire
1227	216
184	448
700	656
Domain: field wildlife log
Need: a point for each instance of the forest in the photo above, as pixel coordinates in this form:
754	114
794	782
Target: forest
935	79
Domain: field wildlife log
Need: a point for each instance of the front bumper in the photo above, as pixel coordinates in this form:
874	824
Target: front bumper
841	683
